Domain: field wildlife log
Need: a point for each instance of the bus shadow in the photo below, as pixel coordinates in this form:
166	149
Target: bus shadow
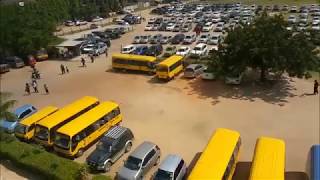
193	162
155	80
295	175
242	171
129	72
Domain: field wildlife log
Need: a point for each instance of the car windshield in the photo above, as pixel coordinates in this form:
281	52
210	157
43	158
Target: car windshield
21	129
182	50
163	175
42	133
133	163
197	49
104	146
203	36
214	37
62	140
137	37
189	70
169	48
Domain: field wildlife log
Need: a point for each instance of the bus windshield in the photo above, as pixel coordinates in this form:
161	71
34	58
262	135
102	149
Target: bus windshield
62	141
163	175
162	69
42	133
133	163
21	129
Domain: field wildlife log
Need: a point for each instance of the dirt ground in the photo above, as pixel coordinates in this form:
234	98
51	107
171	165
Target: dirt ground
182	114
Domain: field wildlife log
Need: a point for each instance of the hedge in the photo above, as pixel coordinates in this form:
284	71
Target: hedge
39	161
101	177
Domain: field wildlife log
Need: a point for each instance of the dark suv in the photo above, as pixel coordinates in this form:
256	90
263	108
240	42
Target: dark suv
110	148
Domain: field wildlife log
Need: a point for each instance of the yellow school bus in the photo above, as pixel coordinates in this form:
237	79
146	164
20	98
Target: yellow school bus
268	160
134	62
170	67
219	158
46	128
74	137
25	128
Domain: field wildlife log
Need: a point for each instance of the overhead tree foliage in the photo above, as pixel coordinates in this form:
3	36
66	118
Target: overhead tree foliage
266	46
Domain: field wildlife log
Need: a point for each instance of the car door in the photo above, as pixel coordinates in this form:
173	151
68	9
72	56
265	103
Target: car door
180	171
148	162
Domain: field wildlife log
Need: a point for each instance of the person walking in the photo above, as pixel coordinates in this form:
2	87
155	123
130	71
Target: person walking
92	58
315	87
46	88
62	69
67	69
27	89
106	53
83	62
35	86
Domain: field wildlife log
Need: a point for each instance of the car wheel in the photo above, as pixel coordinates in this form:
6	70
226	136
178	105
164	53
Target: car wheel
128	147
79	153
107	166
158	161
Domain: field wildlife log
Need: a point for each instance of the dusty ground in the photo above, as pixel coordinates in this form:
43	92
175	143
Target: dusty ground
181	115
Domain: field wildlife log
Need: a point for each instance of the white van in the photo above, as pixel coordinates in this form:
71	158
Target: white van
129	49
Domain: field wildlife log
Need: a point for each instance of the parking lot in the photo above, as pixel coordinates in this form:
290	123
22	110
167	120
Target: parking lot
180	116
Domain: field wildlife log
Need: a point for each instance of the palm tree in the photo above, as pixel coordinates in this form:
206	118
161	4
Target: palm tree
5	105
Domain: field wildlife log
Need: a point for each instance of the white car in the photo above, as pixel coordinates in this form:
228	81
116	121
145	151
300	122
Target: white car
199	50
97	18
207	27
170	26
136	39
207	74
183	51
216	19
219	27
129	49
316	20
189	39
234	80
204	38
315	26
148	27
215	39
292	19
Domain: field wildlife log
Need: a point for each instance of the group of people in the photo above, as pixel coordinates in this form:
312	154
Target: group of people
64	69
83	61
34	83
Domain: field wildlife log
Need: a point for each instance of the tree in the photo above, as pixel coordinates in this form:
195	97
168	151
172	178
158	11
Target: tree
267	46
5	105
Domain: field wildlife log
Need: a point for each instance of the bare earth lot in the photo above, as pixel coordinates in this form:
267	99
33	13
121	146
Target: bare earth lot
181	115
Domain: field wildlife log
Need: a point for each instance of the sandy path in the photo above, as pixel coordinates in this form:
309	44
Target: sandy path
181	115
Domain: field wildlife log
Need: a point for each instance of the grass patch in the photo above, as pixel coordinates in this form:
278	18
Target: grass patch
56	40
101	177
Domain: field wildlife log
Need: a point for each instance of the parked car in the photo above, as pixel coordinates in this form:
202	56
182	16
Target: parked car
140	161
129	49
154	50
176	28
145	39
69	23
215	39
292	19
177	39
155	39
173	167
194	70
117	141
170	26
20	113
234	79
88	48
148	27
136	40
97	19
14	62
169	51
141	50
93	26
41	54
315	26
112	33
183	51
80	22
220	27
189	39
100	48
207	27
199	50
208	74
204	38
293	9
165	39
186	27
4	67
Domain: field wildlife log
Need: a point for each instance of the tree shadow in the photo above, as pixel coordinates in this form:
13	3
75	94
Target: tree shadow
20	171
274	92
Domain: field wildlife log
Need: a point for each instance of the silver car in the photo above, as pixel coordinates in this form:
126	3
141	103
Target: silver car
194	70
141	160
172	168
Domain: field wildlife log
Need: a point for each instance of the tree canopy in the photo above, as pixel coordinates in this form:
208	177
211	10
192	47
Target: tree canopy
5	106
267	46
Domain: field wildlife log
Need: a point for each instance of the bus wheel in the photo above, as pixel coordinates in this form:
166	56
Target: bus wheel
80	152
128	147
107	166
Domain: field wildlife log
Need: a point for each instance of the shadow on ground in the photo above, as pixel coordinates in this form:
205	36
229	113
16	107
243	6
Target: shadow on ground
274	92
19	171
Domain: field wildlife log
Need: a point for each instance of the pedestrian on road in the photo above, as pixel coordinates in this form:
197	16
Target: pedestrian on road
27	89
92	58
46	88
62	69
83	62
35	86
315	87
106	53
67	69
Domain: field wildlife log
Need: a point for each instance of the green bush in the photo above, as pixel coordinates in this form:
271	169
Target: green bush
39	161
101	177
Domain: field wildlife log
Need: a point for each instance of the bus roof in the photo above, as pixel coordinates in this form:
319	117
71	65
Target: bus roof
215	157
67	111
269	159
315	167
83	121
42	113
170	60
134	57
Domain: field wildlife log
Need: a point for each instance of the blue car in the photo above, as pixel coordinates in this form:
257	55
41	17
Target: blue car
141	50
22	112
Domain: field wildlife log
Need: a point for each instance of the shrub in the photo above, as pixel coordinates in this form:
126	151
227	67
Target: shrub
39	161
